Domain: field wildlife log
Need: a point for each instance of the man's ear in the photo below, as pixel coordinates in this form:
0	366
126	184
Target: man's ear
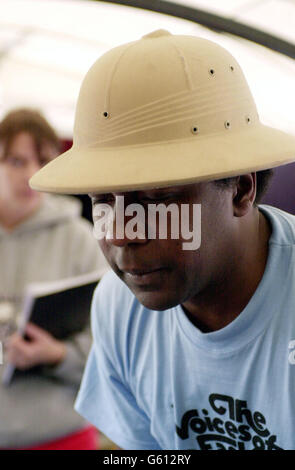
244	194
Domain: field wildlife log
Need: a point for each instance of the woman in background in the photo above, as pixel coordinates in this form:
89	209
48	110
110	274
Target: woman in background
42	238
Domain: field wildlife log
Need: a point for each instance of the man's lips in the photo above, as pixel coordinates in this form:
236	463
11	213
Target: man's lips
143	276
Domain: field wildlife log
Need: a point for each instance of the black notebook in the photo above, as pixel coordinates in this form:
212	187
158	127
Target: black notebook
64	313
62	308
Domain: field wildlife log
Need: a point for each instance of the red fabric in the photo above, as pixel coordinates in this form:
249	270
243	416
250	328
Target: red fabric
87	439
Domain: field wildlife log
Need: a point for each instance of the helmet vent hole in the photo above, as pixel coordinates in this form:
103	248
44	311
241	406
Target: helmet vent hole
106	114
212	72
227	124
195	130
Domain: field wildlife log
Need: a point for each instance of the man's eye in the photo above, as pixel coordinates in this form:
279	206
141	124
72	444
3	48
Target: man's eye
154	198
103	199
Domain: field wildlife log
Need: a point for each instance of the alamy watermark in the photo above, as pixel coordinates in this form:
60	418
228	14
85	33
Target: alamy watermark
150	221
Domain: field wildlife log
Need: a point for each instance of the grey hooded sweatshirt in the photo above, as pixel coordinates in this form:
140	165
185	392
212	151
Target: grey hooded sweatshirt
55	243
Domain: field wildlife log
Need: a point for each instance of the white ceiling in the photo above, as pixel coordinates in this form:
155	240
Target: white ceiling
47	46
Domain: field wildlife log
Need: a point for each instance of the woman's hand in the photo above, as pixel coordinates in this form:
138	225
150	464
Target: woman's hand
41	349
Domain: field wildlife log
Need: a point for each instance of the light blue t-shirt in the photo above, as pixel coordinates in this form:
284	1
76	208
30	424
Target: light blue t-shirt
155	381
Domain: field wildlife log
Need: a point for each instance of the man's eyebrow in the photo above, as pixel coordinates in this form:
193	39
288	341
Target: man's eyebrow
168	189
164	190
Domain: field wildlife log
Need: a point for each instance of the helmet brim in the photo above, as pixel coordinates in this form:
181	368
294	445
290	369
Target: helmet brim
129	168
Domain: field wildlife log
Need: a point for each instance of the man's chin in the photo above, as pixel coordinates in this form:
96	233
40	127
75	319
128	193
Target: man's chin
155	300
155	295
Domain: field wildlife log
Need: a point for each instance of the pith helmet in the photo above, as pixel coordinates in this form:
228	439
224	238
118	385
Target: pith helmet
161	111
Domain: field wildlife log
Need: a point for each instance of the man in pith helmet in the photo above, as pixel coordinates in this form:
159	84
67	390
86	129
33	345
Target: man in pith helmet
193	344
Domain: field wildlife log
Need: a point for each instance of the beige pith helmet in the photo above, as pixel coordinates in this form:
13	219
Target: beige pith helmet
162	111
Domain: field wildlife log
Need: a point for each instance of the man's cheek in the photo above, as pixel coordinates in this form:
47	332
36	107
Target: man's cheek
107	252
104	248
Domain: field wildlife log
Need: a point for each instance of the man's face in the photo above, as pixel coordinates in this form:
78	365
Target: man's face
16	168
159	272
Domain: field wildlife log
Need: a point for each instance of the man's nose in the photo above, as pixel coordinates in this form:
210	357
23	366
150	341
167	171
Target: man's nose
126	225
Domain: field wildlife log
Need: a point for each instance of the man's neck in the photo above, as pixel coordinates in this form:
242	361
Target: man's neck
222	302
